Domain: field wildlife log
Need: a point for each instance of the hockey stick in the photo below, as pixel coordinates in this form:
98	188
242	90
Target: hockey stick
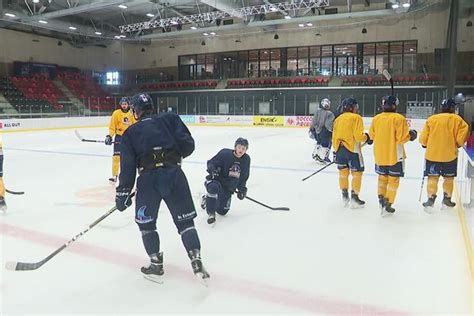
90	140
421	189
264	205
26	266
389	78
317	171
15	192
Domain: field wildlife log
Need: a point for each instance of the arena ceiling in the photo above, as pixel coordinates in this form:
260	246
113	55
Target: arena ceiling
87	22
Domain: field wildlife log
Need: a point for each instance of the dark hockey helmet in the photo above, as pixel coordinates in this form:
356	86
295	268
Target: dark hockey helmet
459	98
141	103
124	100
242	141
448	105
349	104
389	102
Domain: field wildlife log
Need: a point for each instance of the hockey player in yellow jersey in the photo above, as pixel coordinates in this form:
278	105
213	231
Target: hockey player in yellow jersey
389	131
442	135
348	134
121	120
3	205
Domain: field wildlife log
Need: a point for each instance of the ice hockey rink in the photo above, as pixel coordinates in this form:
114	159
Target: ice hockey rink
318	258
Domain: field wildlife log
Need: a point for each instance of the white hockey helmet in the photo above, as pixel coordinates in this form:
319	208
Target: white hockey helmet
325	104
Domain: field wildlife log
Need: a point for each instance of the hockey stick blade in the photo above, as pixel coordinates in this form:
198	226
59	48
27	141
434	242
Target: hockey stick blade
78	135
264	205
28	266
15	192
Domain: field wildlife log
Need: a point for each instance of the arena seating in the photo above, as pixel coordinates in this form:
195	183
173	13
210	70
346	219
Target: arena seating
181	85
33	103
87	90
321	81
401	80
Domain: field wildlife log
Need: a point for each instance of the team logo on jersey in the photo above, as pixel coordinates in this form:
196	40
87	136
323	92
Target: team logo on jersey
141	218
144	97
234	171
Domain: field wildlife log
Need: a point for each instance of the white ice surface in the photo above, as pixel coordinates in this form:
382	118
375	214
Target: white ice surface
318	258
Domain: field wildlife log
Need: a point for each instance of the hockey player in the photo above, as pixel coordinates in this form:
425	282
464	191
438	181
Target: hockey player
347	138
442	135
155	145
321	129
3	205
389	131
121	119
228	171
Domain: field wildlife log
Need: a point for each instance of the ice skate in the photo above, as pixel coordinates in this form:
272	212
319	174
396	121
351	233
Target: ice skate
388	210
211	220
356	202
345	198
447	203
113	180
428	205
154	272
198	268
382	202
3	205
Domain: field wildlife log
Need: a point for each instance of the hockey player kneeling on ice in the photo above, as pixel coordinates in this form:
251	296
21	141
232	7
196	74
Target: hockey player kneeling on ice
389	131
347	138
321	130
228	172
155	145
442	135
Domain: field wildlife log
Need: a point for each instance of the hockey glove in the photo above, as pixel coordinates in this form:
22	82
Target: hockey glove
213	174
122	200
242	193
108	140
369	141
423	146
413	134
311	133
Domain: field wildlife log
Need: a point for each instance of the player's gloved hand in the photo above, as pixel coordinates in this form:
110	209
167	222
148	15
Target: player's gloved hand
423	146
413	134
122	200
242	193
213	174
369	141
108	140
311	132
334	156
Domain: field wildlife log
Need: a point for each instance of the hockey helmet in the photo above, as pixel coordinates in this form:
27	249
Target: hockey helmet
325	104
349	104
242	141
459	98
124	100
389	102
448	105
141	103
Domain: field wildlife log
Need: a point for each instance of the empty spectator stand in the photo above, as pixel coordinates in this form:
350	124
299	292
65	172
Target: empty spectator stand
86	89
23	103
181	85
399	79
321	81
465	79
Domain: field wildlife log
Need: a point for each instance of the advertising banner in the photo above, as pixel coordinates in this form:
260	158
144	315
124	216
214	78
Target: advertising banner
268	120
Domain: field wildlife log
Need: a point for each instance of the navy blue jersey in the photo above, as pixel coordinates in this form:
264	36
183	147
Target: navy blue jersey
165	130
234	171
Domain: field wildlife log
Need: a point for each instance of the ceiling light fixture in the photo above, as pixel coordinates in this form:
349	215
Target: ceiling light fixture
43	22
73	28
150	15
122	6
97	33
287	17
205	34
10	15
213	33
406	5
193	28
395	6
309	24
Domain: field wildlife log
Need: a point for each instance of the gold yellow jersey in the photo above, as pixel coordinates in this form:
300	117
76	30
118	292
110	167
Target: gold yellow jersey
389	131
120	121
442	135
348	130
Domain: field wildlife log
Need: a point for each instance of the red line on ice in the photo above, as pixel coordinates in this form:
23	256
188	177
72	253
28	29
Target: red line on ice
241	287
